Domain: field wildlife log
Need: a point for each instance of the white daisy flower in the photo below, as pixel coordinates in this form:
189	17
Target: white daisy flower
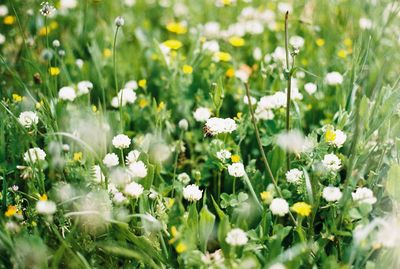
28	119
34	155
138	169
364	195
202	114
310	88
132	156
236	170
110	160
236	237
121	141
331	194
215	126
84	87
133	189
46	207
332	162
184	178
223	154
334	78
294	176
67	93
192	193
279	207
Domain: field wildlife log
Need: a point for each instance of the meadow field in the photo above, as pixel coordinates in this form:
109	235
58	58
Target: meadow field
200	134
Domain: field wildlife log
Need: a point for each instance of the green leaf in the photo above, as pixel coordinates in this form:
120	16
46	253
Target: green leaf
206	225
393	182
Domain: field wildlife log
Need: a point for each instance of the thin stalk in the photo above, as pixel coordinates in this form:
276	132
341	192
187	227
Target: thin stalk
289	85
116	79
176	162
263	157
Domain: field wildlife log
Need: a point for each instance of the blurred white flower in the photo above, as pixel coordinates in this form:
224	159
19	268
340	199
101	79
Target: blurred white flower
110	160
331	162
3	10
67	93
192	193
294	141
121	141
236	170
257	54
294	176
68	4
133	189
132	156
183	124
215	126
296	41
334	78
127	95
236	237
284	7
310	88
28	119
252	100
84	87
184	178
277	266
211	46
46	207
34	155
202	114
211	30
119	21
79	63
279	207
129	3
119	197
364	195
331	194
2	39
138	169
223	155
132	84
340	138
97	174
46	9
365	23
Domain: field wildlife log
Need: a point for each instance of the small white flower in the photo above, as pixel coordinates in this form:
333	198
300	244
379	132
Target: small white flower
127	95
68	4
364	195
46	207
138	169
236	170
110	160
192	193
331	194
252	100
84	87
134	189
279	207
294	176
97	174
119	21
133	156
223	155
365	23
28	118
217	126
132	84
121	141
331	162
294	141
184	178
46	9
296	41
183	124
340	138
211	46
79	63
67	93
202	114
119	197
236	237
3	10
277	266
310	88
334	78
2	39
284	7
34	155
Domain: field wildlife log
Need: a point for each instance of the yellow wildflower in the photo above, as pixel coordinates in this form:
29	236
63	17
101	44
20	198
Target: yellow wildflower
11	211
236	41
223	56
301	208
9	20
266	197
173	44
161	106
143	103
170	202
94	108
53	25
342	53
107	53
54	71
142	83
44	31
320	42
181	247
330	135
347	42
187	69
235	158
16	97
78	156
39	104
43	197
177	28
230	72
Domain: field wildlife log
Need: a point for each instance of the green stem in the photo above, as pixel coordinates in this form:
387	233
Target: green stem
289	85
116	79
252	192
263	157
